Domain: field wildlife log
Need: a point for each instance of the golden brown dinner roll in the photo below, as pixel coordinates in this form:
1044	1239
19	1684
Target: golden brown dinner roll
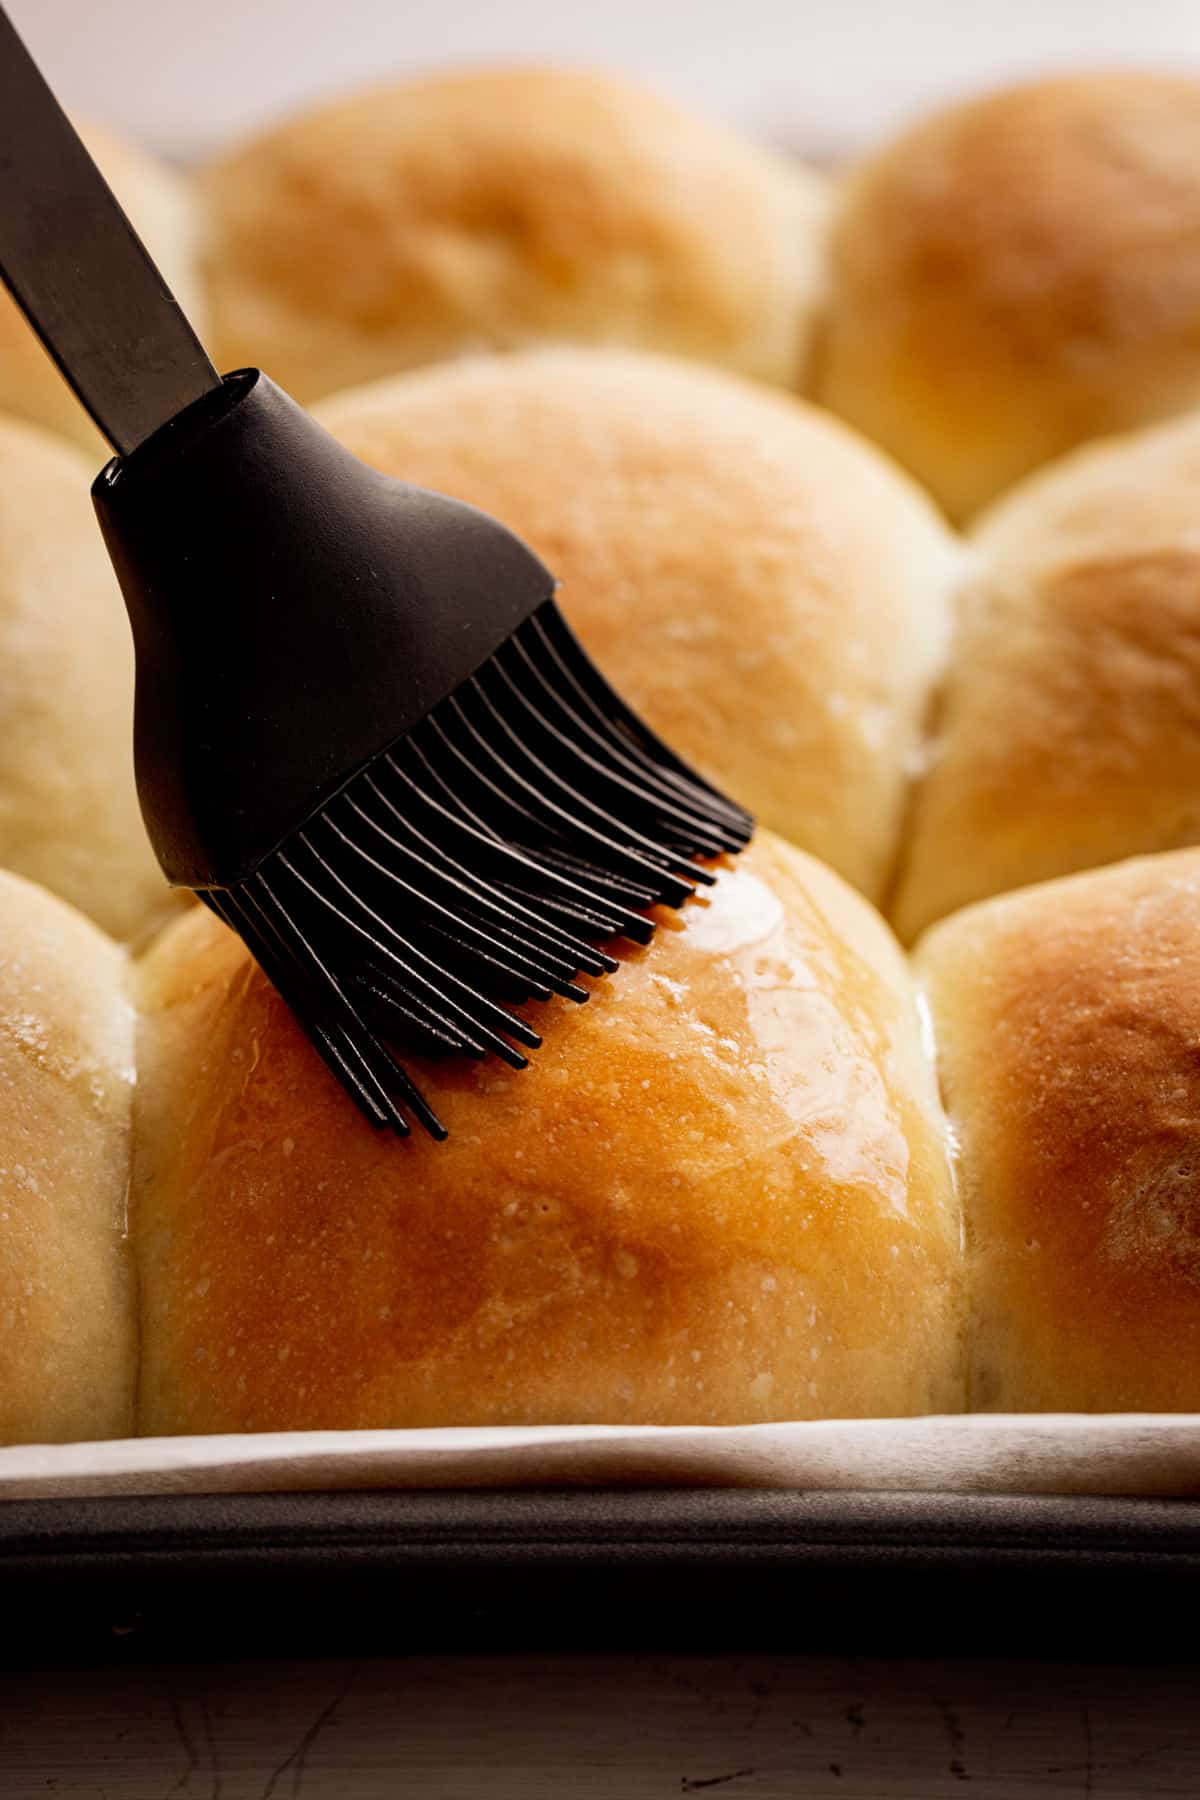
764	587
67	1340
1068	1026
1070	725
1018	274
496	208
68	810
160	206
719	1193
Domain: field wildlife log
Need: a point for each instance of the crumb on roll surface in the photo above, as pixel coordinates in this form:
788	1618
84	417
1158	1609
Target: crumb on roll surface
720	1193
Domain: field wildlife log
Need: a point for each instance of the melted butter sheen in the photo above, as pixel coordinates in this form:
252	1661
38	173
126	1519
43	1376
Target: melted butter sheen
730	1153
740	912
748	1024
810	1025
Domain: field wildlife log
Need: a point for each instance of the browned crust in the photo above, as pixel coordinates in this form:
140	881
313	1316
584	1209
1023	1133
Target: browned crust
719	1194
769	592
1068	1022
1069	732
497	208
1018	274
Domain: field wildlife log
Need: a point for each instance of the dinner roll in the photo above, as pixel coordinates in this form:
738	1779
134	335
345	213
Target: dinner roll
495	208
67	1343
1070	726
719	1193
69	815
1017	275
159	204
765	588
1068	1020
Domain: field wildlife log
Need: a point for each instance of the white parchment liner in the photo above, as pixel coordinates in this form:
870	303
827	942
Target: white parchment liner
1053	1453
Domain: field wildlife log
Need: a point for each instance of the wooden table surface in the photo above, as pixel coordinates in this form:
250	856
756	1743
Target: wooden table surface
637	1726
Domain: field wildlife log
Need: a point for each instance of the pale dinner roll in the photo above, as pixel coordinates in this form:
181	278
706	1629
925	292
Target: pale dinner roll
1069	732
67	1339
1068	1024
765	588
719	1193
497	208
1018	274
69	815
159	203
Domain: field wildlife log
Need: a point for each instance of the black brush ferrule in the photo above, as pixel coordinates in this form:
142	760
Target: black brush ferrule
294	613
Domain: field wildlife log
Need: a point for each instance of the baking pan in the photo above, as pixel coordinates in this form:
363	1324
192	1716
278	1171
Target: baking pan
246	1573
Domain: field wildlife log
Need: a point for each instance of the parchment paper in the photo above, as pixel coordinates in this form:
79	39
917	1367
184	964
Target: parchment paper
1145	1453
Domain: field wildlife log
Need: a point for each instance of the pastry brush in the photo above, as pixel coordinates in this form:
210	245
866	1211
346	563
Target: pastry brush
364	733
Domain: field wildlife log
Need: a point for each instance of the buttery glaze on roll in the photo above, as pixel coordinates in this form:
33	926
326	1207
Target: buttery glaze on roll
498	208
159	204
69	813
720	1193
1018	274
1068	732
1068	1020
767	591
67	1338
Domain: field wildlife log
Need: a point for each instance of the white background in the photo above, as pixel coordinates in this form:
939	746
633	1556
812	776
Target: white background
189	73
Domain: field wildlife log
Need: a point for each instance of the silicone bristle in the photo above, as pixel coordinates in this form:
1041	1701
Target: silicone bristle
476	866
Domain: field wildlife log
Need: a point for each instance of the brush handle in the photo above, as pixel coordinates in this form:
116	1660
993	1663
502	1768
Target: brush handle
79	271
294	612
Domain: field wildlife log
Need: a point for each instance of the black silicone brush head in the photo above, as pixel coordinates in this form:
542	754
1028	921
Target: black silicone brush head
475	866
362	731
367	737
